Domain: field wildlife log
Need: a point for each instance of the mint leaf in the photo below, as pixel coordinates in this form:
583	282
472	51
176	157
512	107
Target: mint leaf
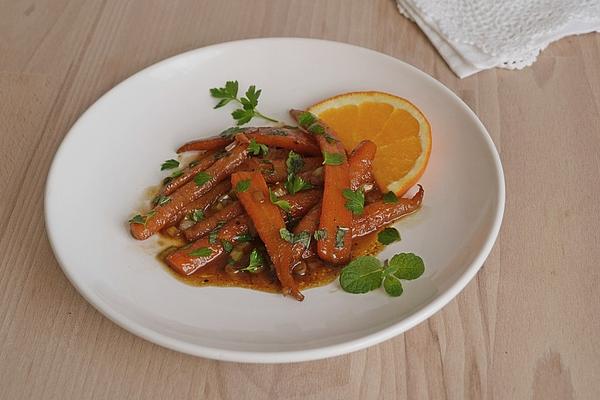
388	235
169	164
256	262
302	237
283	204
201	178
242	185
392	286
255	148
355	200
339	236
197	215
201	252
390	197
362	275
333	158
406	266
245	237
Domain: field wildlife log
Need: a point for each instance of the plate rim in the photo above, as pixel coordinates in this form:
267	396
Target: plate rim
273	357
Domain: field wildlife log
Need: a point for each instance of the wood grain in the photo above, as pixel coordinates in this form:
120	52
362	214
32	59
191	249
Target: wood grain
526	327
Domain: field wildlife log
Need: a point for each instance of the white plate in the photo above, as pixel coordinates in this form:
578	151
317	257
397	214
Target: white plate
113	153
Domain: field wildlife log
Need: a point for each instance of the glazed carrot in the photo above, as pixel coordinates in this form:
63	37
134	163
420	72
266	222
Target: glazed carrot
184	263
276	170
336	219
204	162
209	223
301	202
379	214
309	223
202	203
361	165
162	214
211	143
268	222
287	138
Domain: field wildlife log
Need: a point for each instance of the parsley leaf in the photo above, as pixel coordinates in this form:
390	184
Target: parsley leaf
306	119
197	215
390	197
320	234
283	204
339	236
333	158
243	115
230	132
242	185
388	235
142	219
316	129
227	245
256	262
255	148
294	162
245	237
161	200
201	252
201	178
169	164
362	275
212	236
355	200
406	266
295	184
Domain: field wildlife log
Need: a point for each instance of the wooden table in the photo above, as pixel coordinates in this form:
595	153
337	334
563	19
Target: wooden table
527	327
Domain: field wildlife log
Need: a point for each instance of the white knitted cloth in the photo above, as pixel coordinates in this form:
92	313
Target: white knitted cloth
473	35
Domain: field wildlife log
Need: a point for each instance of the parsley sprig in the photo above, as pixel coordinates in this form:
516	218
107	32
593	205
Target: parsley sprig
256	262
295	183
367	273
243	115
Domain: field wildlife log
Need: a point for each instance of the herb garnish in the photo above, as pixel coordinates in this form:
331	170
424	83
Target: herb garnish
242	186
355	200
339	236
294	183
320	234
283	204
142	219
390	197
201	252
244	237
256	262
212	236
227	245
160	200
201	178
367	273
306	119
255	148
388	235
197	215
302	237
333	158
169	164
243	115
230	132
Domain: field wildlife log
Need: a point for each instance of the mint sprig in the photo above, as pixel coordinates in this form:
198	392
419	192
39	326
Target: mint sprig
367	273
249	103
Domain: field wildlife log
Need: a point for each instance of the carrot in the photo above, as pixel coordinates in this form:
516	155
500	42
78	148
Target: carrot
309	223
206	225
379	214
202	203
211	143
188	174
361	165
335	219
276	170
184	263
268	222
287	138
162	214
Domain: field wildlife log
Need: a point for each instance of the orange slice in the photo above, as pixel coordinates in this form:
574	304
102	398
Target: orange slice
398	128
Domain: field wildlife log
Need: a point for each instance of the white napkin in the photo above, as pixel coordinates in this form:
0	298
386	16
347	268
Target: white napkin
473	35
